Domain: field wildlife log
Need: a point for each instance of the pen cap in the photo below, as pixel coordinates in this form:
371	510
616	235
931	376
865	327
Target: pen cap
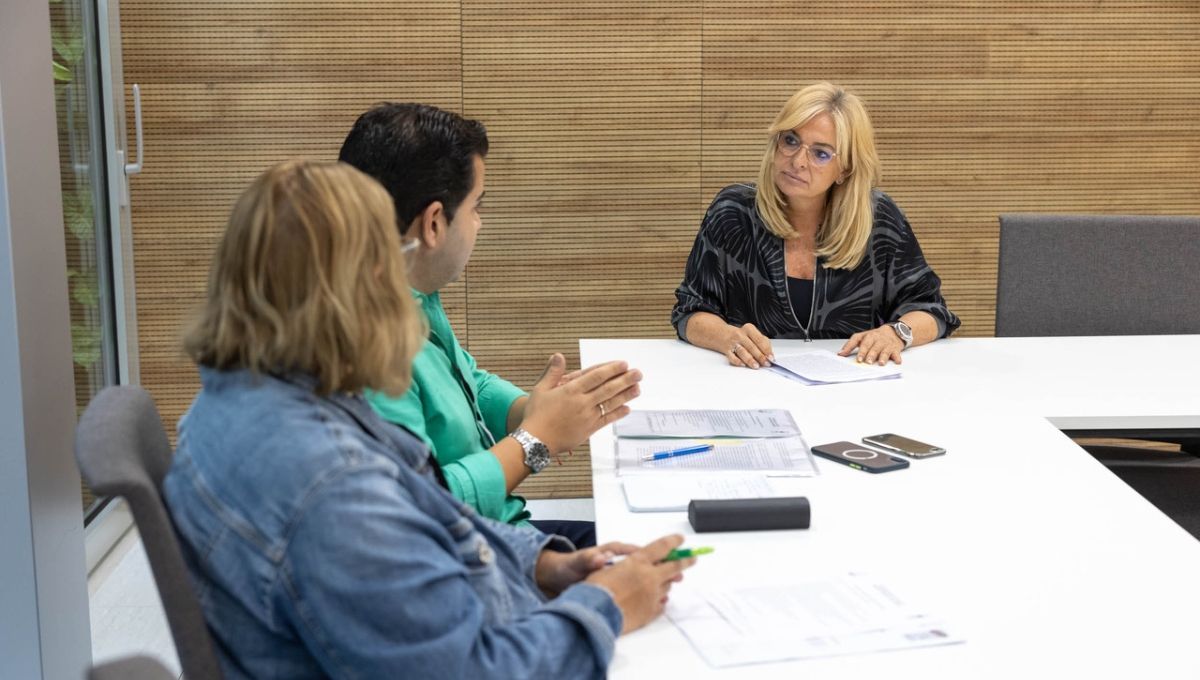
749	514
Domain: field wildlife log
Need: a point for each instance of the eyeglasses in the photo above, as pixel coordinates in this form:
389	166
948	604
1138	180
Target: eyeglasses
788	144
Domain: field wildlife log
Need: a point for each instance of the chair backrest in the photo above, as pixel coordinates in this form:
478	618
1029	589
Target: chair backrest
1098	275
122	450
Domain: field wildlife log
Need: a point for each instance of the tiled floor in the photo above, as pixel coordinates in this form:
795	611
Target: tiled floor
127	616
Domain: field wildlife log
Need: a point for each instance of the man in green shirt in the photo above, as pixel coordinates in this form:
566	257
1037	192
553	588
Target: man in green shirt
487	434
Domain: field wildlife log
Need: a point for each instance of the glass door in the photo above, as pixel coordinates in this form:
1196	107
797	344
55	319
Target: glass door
122	164
89	102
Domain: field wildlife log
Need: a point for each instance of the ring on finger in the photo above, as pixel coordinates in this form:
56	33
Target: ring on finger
736	346
603	411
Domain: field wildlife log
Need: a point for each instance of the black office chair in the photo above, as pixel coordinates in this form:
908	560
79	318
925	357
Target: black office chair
122	450
1063	275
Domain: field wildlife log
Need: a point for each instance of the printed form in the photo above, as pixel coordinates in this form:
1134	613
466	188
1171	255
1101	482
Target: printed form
782	455
846	614
707	423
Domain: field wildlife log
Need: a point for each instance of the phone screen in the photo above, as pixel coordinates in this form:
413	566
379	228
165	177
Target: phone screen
903	444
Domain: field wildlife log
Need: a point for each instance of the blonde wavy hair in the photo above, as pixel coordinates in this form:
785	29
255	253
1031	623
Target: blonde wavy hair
849	212
309	278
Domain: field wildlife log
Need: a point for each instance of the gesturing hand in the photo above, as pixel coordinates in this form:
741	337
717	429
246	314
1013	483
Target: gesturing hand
565	412
875	346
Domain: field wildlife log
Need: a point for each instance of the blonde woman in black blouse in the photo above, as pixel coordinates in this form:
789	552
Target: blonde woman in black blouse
813	251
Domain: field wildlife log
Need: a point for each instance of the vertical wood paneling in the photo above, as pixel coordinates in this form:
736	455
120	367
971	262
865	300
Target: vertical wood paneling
979	108
230	88
614	123
592	109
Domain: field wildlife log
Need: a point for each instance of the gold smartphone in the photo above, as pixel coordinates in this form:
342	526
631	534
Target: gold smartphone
904	446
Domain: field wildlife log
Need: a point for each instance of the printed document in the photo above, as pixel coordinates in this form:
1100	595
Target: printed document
711	423
822	367
848	614
672	493
783	455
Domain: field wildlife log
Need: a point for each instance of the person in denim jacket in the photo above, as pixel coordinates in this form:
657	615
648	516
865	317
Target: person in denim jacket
320	538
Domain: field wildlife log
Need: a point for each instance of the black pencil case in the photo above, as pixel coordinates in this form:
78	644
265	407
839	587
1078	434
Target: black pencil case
749	514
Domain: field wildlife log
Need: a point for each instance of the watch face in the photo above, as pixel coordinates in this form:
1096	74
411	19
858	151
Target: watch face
537	454
537	457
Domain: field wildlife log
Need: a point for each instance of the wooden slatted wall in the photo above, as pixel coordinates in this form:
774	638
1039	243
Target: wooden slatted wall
230	88
593	108
614	123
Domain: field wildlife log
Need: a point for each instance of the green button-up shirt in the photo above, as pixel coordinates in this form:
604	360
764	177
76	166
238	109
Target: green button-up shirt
460	411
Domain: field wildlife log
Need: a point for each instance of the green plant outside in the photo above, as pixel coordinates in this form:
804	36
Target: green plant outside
78	216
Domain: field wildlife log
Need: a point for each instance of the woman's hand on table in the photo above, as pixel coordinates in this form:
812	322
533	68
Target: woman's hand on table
746	346
875	346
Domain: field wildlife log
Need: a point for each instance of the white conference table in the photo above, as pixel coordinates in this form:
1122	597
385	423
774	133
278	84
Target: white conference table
1047	563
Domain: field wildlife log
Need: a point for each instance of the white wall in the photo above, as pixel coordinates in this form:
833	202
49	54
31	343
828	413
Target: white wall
43	587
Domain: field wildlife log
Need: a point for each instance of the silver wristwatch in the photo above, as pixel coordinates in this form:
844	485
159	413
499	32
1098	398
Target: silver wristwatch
904	331
537	454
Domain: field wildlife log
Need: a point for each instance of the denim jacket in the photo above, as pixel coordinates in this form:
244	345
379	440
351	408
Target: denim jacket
320	545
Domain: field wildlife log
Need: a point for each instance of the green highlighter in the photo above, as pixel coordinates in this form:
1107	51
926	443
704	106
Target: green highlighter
682	553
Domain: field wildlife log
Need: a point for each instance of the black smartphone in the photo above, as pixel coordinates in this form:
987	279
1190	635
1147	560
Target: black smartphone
859	457
903	445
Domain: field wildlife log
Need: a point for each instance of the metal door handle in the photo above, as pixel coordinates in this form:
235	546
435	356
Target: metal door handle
135	168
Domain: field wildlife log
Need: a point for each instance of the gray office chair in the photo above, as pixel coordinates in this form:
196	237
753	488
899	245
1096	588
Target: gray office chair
122	450
1063	275
1098	275
132	668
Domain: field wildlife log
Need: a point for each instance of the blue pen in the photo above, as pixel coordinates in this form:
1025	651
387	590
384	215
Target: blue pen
662	455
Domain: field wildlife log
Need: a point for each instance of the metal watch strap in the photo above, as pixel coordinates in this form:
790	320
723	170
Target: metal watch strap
904	331
537	454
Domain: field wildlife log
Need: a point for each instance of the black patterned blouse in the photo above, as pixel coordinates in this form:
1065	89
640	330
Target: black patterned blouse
736	271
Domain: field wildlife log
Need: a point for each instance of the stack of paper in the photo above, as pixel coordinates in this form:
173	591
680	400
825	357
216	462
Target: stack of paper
850	614
745	447
822	367
662	493
707	423
744	440
785	455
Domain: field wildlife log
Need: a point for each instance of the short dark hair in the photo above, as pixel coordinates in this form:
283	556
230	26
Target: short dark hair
419	153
